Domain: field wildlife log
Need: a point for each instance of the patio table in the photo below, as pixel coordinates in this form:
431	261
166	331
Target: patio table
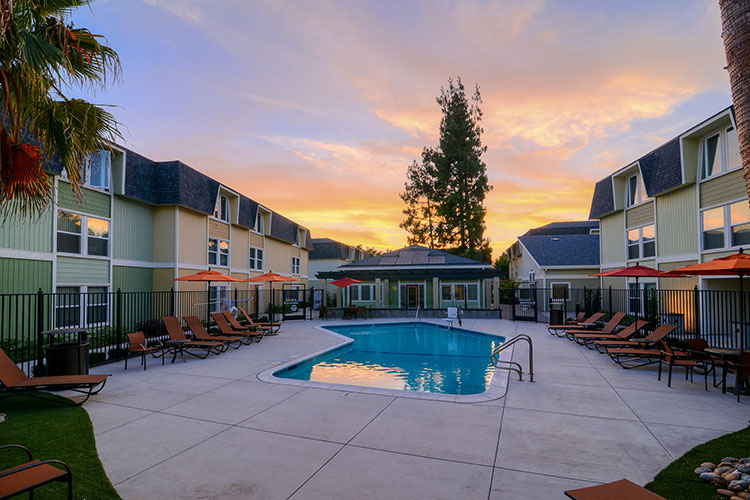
726	356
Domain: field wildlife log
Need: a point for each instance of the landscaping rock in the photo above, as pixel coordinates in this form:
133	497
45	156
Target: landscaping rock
745	469
708	476
726	493
735	498
732	476
701	470
745	460
736	486
743	494
730	459
709	464
722	470
719	482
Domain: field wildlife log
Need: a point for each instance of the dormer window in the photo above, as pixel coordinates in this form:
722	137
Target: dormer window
720	153
98	170
635	191
222	209
259	223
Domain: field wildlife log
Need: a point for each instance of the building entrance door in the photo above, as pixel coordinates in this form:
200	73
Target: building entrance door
412	296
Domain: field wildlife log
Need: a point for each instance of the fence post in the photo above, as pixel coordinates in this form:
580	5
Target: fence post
536	309
118	321
39	368
585	302
513	300
610	301
697	307
172	302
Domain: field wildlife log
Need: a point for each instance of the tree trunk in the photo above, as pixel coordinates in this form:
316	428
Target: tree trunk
735	27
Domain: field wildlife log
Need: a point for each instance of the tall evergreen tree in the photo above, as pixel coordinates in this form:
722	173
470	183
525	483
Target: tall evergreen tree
421	201
445	194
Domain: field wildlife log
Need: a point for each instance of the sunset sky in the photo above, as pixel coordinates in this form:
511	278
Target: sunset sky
315	108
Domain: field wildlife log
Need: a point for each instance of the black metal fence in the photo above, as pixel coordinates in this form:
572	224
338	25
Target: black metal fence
109	316
719	316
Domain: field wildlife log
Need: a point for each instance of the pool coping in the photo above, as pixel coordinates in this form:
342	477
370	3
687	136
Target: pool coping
498	385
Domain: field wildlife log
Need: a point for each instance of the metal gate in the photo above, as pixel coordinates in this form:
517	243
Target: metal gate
294	302
525	304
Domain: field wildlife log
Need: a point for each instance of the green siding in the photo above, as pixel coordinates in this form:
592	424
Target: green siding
676	223
723	189
640	215
428	294
34	235
132	279
77	271
132	230
93	202
25	276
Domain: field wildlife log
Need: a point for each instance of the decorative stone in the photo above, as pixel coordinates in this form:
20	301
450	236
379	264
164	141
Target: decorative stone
735	498
722	470
701	470
745	469
726	493
745	460
730	459
719	482
708	464
743	494
708	476
733	476
736	486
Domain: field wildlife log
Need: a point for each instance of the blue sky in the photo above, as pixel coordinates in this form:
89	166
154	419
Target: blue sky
315	108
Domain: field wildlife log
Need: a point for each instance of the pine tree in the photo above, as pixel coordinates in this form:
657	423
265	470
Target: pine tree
445	193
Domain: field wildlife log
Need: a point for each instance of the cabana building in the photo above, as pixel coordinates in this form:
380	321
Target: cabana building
419	277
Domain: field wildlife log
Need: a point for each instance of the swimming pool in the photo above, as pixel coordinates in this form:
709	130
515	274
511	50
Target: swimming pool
404	356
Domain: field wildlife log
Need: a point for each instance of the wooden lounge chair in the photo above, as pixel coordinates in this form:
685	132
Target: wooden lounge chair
588	339
32	474
617	490
633	357
580	323
613	323
250	327
200	333
680	358
260	326
227	330
645	343
137	345
174	328
13	381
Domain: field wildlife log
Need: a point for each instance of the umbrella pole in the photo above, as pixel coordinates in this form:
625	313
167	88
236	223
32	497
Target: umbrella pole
638	294
742	313
208	301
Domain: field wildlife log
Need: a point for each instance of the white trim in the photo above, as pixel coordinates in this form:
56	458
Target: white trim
11	253
552	268
395	268
705	123
678	258
142	263
572	277
530	256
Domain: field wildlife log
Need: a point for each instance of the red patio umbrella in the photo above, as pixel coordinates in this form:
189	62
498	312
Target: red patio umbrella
636	272
735	264
270	277
345	282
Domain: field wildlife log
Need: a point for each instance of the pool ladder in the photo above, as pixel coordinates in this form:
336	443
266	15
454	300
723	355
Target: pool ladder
512	365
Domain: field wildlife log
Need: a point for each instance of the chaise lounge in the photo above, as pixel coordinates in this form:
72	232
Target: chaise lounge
619	490
227	330
13	381
588	339
32	474
250	321
177	335
580	322
609	328
200	333
647	342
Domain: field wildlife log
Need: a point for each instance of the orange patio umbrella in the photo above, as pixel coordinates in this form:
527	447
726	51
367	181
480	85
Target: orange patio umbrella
735	264
270	277
208	277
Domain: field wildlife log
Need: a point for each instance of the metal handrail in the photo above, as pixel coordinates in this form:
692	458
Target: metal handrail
416	317
514	366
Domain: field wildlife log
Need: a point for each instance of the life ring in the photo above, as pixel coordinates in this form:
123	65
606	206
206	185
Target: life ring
234	311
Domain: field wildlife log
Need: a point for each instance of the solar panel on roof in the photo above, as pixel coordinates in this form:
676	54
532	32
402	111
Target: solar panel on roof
421	258
388	260
437	259
405	258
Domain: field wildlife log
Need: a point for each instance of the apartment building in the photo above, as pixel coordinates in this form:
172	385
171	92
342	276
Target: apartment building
682	203
139	224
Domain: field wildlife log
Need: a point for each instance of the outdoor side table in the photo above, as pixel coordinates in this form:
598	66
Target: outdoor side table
177	347
726	355
67	351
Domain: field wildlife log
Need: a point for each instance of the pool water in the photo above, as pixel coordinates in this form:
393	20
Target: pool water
405	356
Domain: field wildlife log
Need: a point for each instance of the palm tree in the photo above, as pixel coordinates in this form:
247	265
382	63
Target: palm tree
735	29
43	56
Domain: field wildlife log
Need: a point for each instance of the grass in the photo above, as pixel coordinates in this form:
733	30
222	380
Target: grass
53	431
678	481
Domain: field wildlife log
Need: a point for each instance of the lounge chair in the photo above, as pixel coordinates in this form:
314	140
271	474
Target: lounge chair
228	331
588	339
698	351
634	357
200	333
137	345
260	326
176	334
32	474
609	328
617	490
256	330
580	322
741	371
13	381
680	358
645	343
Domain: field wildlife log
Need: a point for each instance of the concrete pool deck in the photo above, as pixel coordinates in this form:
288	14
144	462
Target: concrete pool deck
212	429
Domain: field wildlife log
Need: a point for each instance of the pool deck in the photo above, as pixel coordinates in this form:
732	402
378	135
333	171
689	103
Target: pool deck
212	429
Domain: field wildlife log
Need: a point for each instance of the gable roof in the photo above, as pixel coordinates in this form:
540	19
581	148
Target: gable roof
563	249
569	227
415	256
326	248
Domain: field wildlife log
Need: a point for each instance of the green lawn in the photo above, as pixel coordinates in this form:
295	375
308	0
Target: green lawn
678	481
53	431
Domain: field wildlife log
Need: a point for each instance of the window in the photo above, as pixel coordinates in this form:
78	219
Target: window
635	191
70	228
259	223
532	276
445	292
219	298
218	252
560	292
362	293
98	168
68	233
222	209
67	307
637	299
726	226
97	305
295	265
459	292
641	242
720	153
256	259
